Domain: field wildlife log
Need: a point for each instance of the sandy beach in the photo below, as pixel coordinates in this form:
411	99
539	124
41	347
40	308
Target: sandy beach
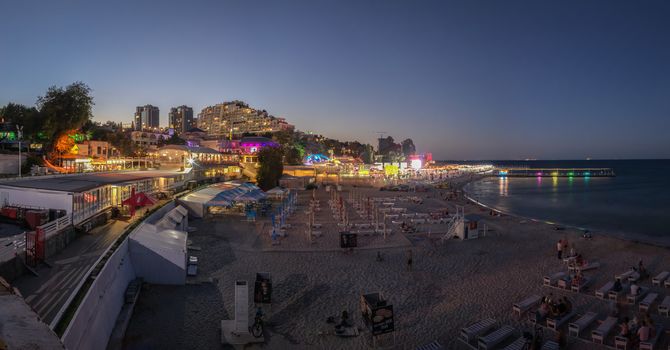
451	284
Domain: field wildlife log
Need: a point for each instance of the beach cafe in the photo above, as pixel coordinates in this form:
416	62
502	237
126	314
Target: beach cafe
223	198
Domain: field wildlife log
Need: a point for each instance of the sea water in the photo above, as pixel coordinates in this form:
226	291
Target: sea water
635	204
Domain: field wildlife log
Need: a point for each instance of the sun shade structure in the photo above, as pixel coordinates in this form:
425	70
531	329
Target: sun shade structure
224	194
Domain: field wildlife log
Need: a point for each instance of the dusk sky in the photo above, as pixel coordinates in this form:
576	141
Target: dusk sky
465	80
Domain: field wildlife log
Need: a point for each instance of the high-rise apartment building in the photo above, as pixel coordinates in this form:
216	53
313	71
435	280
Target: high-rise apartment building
181	119
147	118
237	118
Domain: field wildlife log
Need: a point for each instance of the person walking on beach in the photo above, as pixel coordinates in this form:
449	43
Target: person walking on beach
559	248
409	260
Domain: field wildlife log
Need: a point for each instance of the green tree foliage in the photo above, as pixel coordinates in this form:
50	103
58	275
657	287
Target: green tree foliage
28	117
292	155
271	167
63	109
368	155
122	142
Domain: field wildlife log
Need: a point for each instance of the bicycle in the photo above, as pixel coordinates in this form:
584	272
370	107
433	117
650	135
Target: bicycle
257	328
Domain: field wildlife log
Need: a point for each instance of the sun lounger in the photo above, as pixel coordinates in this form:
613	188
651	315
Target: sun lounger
660	278
476	329
574	328
431	346
614	295
494	338
526	304
604	290
518	344
667	283
583	284
551	280
624	276
651	343
564	283
632	299
550	345
645	304
555	323
599	334
620	342
664	307
586	267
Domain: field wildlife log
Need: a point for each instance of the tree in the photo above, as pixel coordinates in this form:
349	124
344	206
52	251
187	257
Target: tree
17	114
408	147
368	155
271	167
63	109
293	155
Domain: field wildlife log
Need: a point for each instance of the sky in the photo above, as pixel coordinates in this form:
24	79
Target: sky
464	79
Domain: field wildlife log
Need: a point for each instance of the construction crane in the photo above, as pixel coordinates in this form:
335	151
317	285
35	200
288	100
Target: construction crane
381	134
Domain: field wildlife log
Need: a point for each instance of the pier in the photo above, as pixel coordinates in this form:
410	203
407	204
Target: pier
554	172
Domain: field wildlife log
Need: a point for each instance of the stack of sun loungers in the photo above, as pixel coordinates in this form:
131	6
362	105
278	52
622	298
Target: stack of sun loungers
518	344
491	340
645	304
664	307
555	323
603	292
620	342
660	278
630	275
583	284
632	299
574	328
431	346
476	329
585	267
599	334
526	304
651	343
614	294
550	281
550	345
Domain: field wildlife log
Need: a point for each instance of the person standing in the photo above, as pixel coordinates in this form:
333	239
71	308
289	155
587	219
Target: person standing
559	248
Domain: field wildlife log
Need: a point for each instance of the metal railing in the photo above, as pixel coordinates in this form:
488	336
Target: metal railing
51	228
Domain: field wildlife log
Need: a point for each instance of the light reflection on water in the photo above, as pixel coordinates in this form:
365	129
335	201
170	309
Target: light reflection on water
622	205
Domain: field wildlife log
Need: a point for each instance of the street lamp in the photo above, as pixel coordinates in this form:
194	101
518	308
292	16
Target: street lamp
19	136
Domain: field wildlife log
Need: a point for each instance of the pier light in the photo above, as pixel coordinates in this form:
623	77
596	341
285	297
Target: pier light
571	174
539	173
587	173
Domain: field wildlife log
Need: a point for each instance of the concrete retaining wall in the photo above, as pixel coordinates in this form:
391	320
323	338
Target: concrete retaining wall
93	323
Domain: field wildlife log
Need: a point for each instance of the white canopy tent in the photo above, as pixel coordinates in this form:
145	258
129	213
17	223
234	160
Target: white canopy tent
220	195
159	254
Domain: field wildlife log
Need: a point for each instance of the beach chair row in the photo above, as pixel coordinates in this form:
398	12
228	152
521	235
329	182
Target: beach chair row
645	299
563	281
488	336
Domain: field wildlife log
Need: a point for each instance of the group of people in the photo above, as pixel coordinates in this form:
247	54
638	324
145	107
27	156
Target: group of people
554	308
639	329
564	247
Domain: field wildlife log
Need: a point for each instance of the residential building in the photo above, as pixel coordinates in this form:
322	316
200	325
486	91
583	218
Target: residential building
97	149
180	119
147	118
148	140
236	118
